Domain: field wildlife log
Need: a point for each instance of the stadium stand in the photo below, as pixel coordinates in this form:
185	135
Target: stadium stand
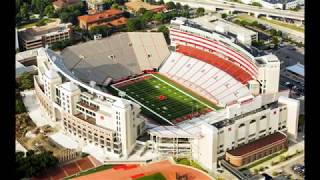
210	77
184	38
116	57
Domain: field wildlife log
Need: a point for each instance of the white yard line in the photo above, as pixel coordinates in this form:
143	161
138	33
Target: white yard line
183	92
144	106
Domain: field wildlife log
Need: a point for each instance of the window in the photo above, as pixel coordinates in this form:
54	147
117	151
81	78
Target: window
262	117
241	125
252	121
262	131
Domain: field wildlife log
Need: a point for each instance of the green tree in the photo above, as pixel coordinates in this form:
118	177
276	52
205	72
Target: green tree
24	11
185	7
159	17
59	45
33	164
160	2
275	40
64	16
256	4
135	24
115	6
224	15
49	11
103	30
200	11
18	5
20	108
147	16
25	81
164	29
38	6
141	11
170	5
178	5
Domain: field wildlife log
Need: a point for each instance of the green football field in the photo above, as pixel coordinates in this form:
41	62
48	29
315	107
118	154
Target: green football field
176	105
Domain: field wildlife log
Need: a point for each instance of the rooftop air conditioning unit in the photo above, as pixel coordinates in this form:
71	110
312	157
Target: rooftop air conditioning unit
93	84
97	37
81	56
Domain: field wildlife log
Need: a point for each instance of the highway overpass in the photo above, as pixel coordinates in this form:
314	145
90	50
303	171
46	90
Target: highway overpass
213	5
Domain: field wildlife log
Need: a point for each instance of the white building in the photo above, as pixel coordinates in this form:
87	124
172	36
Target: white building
87	114
36	37
275	4
243	35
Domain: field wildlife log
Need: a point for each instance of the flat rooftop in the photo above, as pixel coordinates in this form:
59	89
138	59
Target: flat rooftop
258	144
37	32
212	22
297	68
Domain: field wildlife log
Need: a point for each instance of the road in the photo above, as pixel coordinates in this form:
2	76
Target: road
212	4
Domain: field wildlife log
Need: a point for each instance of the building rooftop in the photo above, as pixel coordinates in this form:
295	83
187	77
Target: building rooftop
70	86
63	3
27	54
297	68
260	143
214	23
20	68
135	5
90	18
37	32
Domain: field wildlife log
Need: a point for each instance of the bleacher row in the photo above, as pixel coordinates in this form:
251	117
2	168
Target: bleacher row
236	71
131	81
183	38
204	78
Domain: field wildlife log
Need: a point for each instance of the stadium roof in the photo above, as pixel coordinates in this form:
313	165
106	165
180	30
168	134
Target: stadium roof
297	68
116	57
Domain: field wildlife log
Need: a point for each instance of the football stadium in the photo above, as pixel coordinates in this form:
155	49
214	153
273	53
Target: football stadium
131	97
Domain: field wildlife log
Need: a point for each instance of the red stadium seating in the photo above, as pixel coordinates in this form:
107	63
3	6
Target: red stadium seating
225	65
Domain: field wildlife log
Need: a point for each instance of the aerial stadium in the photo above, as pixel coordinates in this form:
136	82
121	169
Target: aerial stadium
209	99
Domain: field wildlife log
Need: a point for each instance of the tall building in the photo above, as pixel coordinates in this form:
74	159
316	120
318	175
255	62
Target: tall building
42	36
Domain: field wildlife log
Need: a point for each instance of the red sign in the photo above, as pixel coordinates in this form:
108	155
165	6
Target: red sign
101	117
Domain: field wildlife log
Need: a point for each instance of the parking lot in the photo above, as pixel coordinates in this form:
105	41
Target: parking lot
289	55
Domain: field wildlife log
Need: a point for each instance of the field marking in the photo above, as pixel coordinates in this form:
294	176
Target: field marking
144	106
184	92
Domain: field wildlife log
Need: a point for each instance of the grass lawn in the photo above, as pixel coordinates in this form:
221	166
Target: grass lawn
157	176
175	105
187	162
90	171
287	25
245	17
